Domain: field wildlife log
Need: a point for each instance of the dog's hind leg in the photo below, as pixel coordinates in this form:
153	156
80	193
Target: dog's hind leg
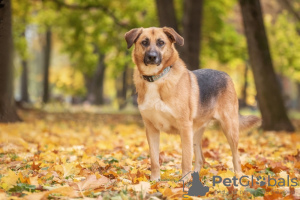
186	134
230	126
199	158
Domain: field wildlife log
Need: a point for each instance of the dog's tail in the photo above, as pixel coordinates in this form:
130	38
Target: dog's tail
247	122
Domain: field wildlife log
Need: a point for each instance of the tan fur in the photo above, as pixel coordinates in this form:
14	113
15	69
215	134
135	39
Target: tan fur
172	105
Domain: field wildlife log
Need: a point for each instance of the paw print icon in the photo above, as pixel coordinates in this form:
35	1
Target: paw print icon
260	180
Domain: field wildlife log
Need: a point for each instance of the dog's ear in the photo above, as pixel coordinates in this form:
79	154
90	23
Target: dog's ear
132	35
173	35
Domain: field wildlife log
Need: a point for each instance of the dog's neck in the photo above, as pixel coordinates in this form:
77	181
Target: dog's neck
158	76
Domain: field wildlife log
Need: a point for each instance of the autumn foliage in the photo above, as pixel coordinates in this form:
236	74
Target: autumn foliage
82	155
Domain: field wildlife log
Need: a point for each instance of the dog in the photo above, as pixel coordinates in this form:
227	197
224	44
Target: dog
175	100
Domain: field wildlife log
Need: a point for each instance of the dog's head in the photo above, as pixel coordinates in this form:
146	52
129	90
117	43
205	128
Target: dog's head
154	48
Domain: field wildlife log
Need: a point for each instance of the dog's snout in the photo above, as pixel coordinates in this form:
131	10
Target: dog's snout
152	57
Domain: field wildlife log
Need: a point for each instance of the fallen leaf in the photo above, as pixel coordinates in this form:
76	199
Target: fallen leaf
278	167
142	187
91	182
9	180
70	169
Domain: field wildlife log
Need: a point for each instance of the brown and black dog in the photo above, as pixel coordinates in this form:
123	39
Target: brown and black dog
173	99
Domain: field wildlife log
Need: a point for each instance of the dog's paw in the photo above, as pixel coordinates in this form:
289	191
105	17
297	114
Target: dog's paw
239	174
186	178
155	178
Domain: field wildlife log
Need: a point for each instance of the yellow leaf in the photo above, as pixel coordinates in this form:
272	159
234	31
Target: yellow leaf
22	178
172	183
9	181
59	168
250	172
133	171
203	172
70	169
65	191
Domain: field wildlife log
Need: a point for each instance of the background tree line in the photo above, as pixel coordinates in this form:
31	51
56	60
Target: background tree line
75	51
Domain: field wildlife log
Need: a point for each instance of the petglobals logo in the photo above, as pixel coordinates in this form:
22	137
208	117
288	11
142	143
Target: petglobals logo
198	189
260	180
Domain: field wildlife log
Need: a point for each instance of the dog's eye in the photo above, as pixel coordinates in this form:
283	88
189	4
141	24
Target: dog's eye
160	43
145	42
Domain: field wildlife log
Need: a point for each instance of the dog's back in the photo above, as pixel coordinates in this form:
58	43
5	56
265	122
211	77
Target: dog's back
211	83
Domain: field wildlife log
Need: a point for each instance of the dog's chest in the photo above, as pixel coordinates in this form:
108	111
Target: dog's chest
154	109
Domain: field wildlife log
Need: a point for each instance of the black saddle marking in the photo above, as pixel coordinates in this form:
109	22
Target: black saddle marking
211	83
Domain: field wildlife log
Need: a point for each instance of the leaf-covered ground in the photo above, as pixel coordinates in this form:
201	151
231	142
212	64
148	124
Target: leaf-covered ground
63	156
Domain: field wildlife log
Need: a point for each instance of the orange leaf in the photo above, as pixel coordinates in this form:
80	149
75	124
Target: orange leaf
274	195
167	192
278	167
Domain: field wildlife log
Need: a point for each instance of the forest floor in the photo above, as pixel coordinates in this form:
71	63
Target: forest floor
105	156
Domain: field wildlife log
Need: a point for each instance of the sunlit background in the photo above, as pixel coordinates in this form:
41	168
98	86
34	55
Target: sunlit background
89	63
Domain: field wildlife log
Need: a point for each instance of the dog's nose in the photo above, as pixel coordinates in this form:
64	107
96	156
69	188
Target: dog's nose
152	58
152	55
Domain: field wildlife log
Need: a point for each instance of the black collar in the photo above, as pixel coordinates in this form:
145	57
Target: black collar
156	77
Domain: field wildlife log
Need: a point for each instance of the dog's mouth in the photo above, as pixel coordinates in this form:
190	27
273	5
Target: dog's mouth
152	63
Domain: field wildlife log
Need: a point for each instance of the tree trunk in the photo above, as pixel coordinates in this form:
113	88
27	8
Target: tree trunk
192	21
47	57
7	104
243	102
24	82
95	84
100	74
268	92
167	17
166	13
122	87
88	81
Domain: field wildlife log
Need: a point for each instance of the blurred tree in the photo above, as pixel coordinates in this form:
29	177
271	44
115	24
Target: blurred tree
24	82
243	99
45	17
223	46
7	104
167	17
101	28
288	5
268	91
95	83
122	88
166	14
86	46
192	24
21	18
222	40
46	64
292	41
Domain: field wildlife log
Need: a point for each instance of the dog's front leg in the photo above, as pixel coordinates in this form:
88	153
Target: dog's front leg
153	141
186	135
